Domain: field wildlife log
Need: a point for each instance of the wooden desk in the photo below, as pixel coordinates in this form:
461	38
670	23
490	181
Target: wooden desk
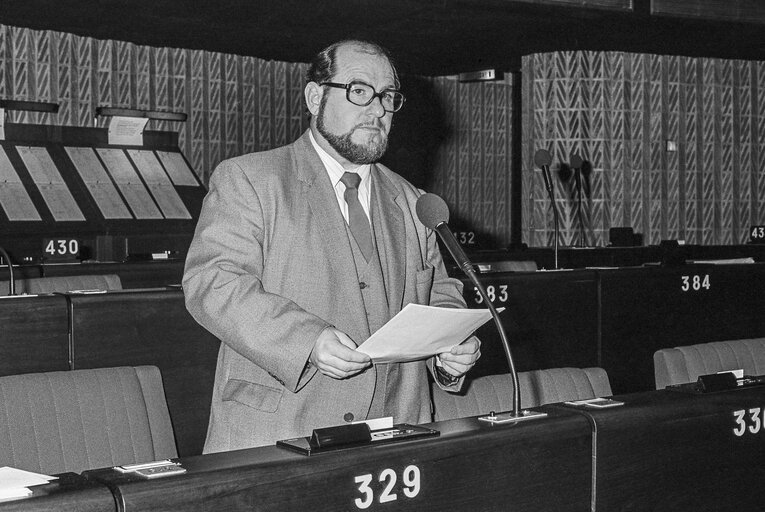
35	334
533	466
670	451
551	319
617	318
645	309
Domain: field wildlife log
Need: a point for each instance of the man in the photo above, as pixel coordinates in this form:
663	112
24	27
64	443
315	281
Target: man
293	265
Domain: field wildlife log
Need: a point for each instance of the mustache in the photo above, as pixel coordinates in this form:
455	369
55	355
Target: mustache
371	124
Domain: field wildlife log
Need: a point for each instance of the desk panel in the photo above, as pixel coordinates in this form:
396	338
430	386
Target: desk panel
645	309
551	320
152	327
670	451
534	466
35	334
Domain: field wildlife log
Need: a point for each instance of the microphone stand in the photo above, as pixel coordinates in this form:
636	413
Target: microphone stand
11	283
464	264
578	181
503	337
551	194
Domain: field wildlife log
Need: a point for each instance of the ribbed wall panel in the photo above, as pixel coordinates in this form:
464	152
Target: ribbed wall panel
616	110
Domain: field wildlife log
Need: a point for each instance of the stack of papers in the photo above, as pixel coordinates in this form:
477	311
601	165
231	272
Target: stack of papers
419	332
16	483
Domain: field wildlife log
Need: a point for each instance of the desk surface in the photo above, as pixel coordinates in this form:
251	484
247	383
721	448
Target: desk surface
71	492
469	467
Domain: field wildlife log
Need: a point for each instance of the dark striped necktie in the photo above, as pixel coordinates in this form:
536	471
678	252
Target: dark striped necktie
357	219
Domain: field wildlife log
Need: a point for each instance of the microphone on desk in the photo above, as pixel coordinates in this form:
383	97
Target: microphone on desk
434	214
11	282
543	160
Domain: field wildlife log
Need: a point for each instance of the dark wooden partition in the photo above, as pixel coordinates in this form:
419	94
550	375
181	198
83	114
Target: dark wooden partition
151	327
34	334
672	451
551	319
617	318
645	309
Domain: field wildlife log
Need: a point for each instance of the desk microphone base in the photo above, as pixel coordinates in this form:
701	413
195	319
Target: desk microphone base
510	417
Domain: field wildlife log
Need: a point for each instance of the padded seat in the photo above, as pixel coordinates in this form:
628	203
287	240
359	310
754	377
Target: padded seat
62	284
538	387
84	419
681	365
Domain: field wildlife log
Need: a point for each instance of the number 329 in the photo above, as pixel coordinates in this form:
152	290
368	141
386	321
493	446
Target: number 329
387	477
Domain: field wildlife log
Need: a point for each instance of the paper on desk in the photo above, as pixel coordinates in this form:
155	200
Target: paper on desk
418	332
14	482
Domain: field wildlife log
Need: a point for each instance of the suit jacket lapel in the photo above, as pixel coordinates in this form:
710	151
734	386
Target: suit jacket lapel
323	204
389	223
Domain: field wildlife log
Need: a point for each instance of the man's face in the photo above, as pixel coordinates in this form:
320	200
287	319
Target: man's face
359	135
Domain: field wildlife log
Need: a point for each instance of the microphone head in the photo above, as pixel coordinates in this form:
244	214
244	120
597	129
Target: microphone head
431	210
576	161
542	157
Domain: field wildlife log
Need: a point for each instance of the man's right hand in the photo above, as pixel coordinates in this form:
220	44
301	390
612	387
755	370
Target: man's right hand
334	354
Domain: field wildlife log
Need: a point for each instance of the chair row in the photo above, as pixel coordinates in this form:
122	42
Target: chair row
53	422
62	284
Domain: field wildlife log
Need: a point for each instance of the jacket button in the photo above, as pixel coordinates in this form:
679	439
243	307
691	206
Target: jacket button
348	416
363	285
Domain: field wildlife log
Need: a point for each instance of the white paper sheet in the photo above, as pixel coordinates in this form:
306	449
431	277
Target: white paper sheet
14	483
127	131
419	332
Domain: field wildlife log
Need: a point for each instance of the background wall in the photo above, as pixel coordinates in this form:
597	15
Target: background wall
616	110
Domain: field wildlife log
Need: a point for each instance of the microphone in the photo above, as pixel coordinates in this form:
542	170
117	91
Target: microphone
542	160
434	214
11	282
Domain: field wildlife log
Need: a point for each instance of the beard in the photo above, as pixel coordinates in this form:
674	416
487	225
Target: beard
359	154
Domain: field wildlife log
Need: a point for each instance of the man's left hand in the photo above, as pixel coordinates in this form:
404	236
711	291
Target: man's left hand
462	357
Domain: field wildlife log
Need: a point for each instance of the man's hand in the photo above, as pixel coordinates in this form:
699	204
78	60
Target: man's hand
334	354
462	357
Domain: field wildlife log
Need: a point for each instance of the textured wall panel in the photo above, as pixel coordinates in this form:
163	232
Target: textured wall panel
620	110
616	110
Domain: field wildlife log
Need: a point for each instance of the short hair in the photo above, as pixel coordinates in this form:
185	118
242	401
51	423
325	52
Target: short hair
324	64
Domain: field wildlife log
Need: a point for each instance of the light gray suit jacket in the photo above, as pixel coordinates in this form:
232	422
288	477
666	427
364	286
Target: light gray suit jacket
271	266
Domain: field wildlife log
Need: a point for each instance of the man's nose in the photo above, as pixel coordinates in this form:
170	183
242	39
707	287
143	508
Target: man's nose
376	107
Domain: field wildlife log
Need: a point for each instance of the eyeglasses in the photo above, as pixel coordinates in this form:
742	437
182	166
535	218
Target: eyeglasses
362	94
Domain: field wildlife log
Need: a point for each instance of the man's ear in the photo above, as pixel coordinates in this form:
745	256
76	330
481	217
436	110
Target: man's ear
313	93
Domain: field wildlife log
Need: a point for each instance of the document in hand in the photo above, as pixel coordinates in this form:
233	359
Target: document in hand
418	332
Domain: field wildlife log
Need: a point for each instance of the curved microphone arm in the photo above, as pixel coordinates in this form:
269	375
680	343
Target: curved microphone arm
12	282
503	336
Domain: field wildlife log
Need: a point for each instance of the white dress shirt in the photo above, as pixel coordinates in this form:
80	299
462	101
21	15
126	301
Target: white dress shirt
336	171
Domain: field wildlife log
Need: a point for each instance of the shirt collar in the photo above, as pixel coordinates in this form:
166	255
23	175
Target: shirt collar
335	170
